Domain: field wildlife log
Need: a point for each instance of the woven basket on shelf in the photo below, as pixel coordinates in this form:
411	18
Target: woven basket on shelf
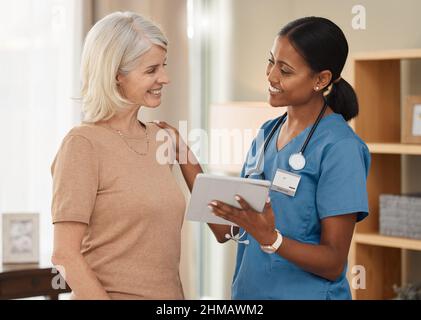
400	216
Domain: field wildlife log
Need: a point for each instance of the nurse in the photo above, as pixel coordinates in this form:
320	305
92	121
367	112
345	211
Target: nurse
298	247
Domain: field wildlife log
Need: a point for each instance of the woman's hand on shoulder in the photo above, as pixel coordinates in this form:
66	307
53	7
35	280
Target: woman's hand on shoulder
166	126
178	142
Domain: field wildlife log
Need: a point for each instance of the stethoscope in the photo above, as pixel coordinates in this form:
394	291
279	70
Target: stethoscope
296	161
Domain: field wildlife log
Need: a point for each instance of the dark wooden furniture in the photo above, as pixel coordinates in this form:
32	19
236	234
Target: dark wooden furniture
29	280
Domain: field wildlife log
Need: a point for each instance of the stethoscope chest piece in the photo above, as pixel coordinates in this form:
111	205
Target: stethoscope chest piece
297	161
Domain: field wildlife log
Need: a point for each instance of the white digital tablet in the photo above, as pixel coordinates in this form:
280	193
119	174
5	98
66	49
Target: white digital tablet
209	187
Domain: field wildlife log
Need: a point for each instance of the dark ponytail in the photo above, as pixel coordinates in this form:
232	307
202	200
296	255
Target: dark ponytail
324	47
342	99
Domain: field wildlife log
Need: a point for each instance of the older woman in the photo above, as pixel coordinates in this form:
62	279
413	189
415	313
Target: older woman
117	210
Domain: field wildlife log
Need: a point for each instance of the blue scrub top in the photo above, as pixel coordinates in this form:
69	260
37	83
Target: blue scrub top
333	182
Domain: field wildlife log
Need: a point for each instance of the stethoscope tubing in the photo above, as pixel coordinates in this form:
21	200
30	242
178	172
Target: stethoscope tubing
257	170
272	133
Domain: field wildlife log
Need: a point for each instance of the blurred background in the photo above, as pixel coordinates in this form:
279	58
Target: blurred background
216	61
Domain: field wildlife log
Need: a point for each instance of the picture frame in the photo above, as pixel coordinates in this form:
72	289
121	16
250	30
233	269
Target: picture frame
20	238
411	120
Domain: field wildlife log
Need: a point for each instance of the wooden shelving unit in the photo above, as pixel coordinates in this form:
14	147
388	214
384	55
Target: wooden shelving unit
394	148
378	86
375	239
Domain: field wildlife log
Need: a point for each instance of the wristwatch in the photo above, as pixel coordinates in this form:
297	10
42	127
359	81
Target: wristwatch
273	247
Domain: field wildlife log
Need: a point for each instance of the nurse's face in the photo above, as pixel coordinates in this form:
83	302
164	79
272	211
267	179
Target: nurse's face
291	80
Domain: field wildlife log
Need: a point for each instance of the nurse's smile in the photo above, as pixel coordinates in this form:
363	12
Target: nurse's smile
273	90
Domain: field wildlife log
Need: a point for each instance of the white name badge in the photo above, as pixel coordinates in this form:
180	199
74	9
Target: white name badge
286	182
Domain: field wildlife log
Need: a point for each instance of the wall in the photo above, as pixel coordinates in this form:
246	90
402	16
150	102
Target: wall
255	24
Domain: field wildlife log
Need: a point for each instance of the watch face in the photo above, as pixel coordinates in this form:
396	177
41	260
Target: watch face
274	247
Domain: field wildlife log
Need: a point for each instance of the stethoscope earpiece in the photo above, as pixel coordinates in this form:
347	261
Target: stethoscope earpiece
236	237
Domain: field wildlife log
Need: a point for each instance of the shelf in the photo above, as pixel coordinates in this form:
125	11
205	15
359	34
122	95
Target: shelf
375	239
394	148
379	79
388	55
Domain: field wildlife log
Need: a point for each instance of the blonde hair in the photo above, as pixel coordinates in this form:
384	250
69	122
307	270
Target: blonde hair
113	46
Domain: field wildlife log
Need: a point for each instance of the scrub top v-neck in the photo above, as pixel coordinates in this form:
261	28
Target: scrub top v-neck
333	182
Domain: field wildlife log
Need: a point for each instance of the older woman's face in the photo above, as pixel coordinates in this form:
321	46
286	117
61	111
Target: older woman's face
143	85
291	81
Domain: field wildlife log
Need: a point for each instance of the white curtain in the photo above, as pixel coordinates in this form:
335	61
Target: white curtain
40	47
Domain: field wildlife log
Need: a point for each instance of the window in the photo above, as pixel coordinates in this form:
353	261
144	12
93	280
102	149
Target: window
209	30
40	47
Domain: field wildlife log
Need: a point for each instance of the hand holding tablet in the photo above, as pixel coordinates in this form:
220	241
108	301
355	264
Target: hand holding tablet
209	187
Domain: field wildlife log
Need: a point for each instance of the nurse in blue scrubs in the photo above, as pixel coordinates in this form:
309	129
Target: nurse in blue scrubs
298	247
